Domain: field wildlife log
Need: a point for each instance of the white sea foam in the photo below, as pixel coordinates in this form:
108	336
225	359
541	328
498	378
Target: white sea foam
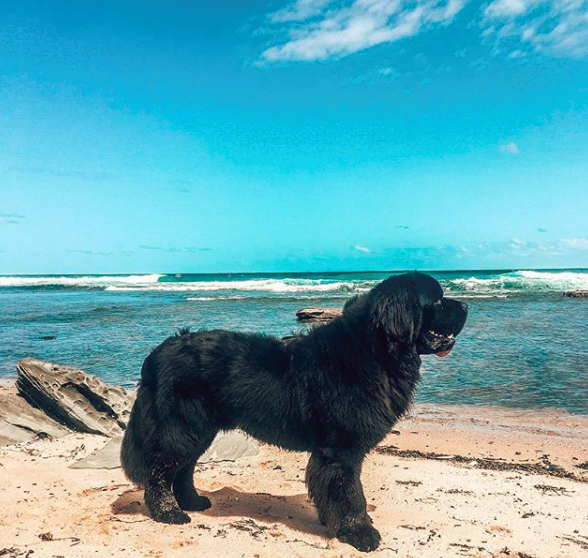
480	295
519	282
475	285
214	298
559	280
272	286
81	281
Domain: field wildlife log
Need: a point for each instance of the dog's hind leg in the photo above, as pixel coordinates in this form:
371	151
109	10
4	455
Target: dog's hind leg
170	486
183	485
159	498
186	495
333	480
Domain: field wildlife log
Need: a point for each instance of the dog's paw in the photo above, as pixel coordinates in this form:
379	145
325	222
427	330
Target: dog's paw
361	535
163	507
173	517
193	502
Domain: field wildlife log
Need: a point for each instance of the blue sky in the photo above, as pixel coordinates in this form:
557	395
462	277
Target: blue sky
186	135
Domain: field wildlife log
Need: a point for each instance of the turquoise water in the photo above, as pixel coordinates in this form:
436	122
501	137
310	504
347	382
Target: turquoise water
524	344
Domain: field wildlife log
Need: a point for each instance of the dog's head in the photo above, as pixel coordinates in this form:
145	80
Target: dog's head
410	310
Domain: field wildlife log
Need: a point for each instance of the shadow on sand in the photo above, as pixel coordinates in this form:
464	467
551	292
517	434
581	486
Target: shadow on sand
293	511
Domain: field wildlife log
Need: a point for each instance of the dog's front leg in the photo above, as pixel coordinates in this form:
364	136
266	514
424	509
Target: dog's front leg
333	480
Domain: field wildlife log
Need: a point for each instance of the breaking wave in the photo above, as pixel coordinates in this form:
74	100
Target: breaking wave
78	281
479	284
518	282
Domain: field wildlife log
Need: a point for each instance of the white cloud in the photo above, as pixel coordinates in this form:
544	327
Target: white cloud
388	72
505	8
301	10
517	243
547	247
510	147
174	250
554	27
522	248
90	253
10	218
383	75
576	243
362	249
324	31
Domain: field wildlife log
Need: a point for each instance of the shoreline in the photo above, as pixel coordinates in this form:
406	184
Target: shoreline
555	416
441	411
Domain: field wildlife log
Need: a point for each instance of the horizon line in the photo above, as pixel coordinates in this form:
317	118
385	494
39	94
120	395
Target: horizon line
400	270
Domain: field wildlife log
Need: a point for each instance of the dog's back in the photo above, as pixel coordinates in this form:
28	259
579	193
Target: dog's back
195	384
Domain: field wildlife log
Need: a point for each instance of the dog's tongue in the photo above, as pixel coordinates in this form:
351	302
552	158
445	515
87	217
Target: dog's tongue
444	353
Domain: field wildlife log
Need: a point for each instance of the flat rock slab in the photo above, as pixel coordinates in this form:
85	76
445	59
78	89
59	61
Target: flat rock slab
318	314
73	398
227	446
21	422
107	457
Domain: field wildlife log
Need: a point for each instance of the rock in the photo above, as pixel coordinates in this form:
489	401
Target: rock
576	294
53	400
227	446
318	314
20	422
107	457
73	398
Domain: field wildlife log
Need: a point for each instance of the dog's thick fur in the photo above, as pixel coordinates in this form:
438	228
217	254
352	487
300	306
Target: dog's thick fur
335	392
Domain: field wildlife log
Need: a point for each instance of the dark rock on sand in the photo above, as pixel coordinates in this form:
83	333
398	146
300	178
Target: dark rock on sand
53	400
73	398
318	314
576	294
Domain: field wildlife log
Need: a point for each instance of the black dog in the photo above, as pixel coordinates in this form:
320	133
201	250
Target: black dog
335	392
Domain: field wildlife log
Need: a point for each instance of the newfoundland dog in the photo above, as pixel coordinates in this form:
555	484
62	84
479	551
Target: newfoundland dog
335	392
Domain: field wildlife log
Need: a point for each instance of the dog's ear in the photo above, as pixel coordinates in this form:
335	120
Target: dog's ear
395	312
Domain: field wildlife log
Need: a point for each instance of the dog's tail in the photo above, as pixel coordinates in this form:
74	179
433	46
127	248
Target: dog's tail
138	442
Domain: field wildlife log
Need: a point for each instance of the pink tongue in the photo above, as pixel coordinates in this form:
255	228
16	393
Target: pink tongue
443	353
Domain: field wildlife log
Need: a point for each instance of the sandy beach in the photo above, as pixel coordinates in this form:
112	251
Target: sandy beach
450	481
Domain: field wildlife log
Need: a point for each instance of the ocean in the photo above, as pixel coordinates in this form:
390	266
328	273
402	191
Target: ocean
524	344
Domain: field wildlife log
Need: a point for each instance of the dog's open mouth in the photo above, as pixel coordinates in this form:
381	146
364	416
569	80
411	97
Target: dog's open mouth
445	352
436	343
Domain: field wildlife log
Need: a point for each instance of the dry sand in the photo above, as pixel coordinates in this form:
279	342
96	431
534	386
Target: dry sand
480	482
